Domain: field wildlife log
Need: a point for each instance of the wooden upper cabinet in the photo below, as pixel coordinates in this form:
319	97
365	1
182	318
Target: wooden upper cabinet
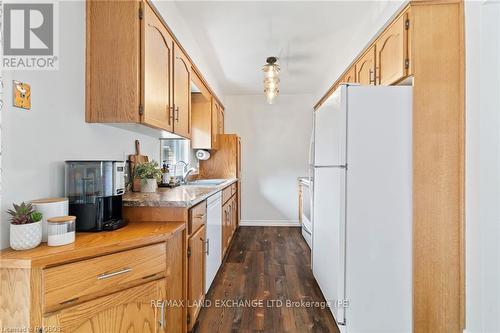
365	68
350	76
392	53
113	51
182	94
125	311
136	71
196	279
215	123
221	120
157	72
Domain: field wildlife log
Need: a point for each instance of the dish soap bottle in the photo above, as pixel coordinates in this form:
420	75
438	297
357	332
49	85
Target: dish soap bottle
165	174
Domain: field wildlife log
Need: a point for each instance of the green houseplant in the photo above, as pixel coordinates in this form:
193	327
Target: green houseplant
25	227
149	173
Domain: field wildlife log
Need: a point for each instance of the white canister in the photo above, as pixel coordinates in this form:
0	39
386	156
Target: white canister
50	207
61	230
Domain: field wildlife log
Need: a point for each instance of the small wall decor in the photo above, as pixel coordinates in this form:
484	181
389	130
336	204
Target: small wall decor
22	95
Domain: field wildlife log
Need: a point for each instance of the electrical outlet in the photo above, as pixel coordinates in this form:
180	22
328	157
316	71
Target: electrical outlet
22	95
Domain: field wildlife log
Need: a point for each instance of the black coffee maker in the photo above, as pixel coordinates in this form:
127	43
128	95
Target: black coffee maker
94	190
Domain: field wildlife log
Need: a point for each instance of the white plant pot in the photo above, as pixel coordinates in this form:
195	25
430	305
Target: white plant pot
25	236
148	185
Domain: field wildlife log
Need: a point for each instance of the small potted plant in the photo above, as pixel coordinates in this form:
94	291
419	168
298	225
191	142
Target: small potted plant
25	227
149	173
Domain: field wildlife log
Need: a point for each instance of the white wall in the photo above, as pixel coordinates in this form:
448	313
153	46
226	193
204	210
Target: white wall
35	143
483	166
275	143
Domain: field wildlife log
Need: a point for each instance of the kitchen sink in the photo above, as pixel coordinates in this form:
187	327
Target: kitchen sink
206	182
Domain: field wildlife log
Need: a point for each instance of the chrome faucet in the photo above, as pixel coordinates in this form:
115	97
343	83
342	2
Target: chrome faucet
185	174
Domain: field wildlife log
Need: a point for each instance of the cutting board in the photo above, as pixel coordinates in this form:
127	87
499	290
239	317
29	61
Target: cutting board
135	160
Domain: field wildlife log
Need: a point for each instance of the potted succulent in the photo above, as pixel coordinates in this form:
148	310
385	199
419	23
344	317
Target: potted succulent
25	227
149	173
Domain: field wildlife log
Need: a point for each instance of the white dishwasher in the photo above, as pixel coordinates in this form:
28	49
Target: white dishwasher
214	238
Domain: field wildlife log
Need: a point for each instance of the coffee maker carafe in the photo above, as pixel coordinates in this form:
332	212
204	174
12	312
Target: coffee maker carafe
94	190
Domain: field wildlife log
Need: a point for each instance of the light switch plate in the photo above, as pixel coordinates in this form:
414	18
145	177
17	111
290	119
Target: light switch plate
22	95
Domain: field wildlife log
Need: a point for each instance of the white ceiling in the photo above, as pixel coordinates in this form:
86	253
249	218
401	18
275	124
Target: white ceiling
315	41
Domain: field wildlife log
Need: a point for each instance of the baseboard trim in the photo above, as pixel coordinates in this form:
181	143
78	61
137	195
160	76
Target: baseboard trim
269	223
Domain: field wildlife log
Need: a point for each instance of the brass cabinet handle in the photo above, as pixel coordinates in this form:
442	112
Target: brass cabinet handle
177	113
200	216
112	274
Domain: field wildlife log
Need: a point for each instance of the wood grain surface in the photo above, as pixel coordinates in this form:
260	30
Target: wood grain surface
92	244
266	263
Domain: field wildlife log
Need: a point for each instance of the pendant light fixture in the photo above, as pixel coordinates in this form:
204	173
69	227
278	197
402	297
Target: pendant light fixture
271	80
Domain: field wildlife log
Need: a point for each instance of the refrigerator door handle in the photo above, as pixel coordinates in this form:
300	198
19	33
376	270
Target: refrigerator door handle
311	149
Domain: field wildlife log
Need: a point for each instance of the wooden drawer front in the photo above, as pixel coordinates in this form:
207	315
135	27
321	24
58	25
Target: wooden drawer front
198	217
226	194
83	280
234	189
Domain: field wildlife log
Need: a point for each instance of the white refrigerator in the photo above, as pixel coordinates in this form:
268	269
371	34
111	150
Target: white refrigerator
362	207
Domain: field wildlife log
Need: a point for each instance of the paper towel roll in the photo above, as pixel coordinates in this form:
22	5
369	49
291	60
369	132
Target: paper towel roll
202	155
50	207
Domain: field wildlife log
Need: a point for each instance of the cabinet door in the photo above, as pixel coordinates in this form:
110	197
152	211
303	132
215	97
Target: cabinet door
125	311
365	68
215	123
391	53
157	72
113	61
225	219
196	273
182	94
221	120
350	76
234	215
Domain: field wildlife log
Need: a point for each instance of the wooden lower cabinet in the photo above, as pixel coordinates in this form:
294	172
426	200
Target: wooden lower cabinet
230	218
110	282
234	214
130	310
196	275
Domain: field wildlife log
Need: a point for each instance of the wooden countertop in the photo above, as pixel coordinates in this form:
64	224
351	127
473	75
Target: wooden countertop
88	245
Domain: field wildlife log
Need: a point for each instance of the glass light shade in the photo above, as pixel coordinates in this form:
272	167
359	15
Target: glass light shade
271	81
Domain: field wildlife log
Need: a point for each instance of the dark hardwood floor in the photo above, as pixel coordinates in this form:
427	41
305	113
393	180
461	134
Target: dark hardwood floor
265	265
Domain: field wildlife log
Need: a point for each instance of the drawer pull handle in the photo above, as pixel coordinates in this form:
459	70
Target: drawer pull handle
69	301
200	216
162	315
110	275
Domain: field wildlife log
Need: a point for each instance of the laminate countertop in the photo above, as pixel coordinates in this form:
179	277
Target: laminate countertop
184	196
91	244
